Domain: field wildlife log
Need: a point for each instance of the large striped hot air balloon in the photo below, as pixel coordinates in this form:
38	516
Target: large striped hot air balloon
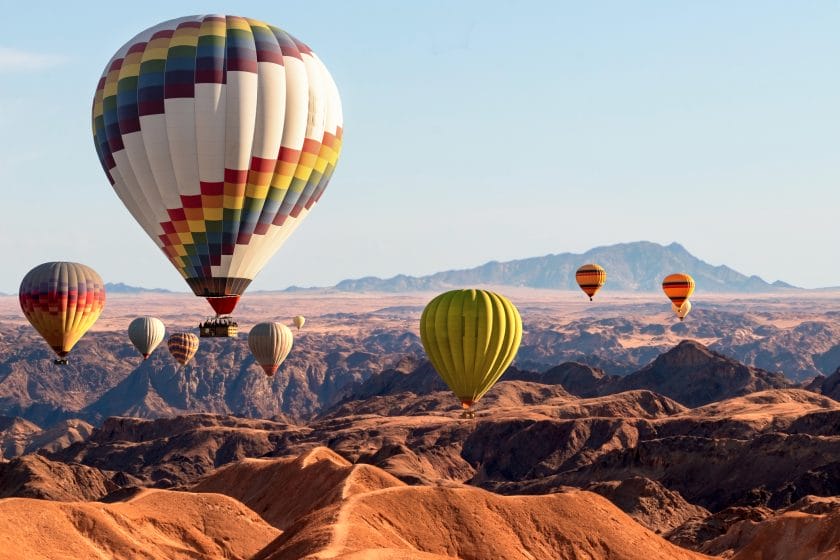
219	134
471	337
62	300
182	346
591	278
270	343
145	334
678	287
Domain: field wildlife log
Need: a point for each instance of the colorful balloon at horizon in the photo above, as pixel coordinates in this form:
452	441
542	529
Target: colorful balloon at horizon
678	287
471	337
182	346
146	333
270	343
591	278
219	134
62	300
682	310
299	321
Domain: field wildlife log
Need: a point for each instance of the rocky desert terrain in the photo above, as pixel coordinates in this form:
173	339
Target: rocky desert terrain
350	338
617	433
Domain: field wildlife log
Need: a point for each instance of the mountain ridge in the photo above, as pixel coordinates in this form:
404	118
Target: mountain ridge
637	266
689	373
122	288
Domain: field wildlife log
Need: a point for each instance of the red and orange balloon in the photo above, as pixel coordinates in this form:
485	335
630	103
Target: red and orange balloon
62	300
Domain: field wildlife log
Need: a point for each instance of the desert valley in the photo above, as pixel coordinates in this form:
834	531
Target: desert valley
570	294
619	432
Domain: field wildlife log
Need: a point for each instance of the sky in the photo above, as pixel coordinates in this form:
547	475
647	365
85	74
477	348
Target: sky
474	131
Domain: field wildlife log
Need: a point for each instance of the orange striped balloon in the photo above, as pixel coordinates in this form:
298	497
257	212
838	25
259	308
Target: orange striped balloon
678	287
591	278
183	346
62	300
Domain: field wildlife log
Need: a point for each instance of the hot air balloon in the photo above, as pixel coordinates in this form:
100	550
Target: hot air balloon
183	346
299	321
683	310
591	278
678	287
270	343
145	334
62	300
219	134
471	337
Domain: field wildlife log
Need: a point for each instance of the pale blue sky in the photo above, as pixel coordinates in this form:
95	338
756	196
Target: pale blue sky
474	131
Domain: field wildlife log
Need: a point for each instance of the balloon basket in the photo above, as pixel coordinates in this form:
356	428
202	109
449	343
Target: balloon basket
218	327
60	361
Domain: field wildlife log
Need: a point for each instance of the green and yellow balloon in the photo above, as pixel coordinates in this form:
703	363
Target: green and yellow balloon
471	337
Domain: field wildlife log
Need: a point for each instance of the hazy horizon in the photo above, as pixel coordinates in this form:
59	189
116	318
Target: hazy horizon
475	132
653	289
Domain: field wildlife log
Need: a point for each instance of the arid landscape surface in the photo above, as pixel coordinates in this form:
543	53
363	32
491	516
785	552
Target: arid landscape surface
619	432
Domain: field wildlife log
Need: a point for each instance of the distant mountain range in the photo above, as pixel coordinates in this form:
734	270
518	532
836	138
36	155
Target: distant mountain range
120	288
639	266
634	267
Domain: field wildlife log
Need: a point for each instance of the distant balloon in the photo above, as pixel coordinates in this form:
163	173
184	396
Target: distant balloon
471	337
219	134
682	310
183	346
591	278
678	287
299	321
62	300
270	344
145	334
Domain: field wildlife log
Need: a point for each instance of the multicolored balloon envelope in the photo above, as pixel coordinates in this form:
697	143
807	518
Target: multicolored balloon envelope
182	346
299	321
471	337
591	278
270	344
145	334
682	310
62	300
219	134
678	287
